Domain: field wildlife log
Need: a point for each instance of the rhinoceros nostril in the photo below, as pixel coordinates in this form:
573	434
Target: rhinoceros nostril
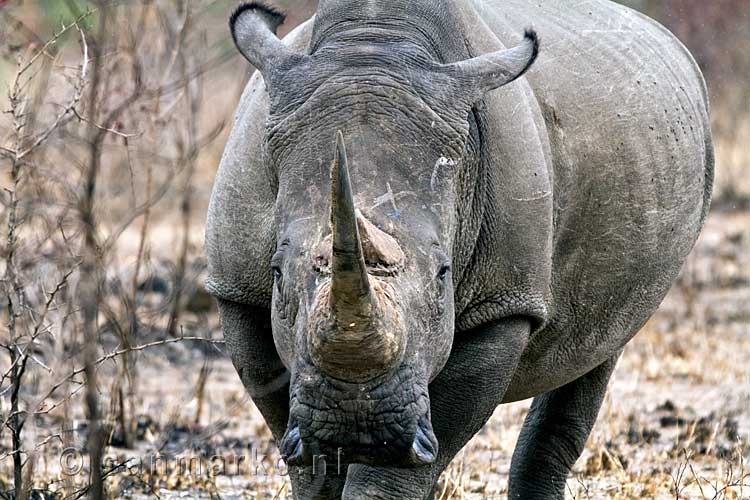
424	448
292	448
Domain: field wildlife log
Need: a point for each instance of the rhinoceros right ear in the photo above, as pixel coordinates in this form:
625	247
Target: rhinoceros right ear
253	26
491	71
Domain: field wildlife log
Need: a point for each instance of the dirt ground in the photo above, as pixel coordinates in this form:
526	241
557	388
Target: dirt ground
675	422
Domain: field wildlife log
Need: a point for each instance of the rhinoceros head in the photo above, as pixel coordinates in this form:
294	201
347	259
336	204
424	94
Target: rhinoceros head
367	146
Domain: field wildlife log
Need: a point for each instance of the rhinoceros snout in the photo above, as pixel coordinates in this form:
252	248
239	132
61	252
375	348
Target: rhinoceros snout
371	451
292	449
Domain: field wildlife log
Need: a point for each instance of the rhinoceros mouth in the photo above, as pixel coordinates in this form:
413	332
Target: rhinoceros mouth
383	424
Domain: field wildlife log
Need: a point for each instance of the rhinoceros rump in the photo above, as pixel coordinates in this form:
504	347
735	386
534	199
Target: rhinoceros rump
413	223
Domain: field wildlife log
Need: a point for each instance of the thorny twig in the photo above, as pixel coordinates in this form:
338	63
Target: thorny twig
19	358
85	247
77	94
38	327
120	352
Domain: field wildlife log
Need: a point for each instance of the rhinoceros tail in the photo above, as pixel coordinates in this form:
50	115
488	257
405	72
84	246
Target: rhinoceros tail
274	16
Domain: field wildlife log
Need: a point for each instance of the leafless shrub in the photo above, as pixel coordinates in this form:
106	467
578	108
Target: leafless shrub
103	126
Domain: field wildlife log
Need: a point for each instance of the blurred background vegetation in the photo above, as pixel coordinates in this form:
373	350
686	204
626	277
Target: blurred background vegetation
716	32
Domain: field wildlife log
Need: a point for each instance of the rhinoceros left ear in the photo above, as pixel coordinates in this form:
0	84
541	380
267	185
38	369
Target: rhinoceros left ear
253	26
491	71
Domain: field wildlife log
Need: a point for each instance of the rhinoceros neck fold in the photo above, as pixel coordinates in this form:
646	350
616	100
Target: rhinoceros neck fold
431	25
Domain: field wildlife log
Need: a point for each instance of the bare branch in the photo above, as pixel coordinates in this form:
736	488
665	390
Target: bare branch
53	40
70	376
50	299
68	109
103	128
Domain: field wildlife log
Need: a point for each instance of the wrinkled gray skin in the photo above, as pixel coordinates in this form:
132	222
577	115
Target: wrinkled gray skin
542	222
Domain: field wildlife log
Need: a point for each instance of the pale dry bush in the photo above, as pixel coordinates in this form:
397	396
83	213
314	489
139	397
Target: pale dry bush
109	139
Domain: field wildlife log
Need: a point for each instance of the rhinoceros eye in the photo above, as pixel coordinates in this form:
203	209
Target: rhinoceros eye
443	274
276	263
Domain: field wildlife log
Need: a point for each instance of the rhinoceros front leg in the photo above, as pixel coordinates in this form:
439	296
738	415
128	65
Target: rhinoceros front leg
463	397
247	331
554	434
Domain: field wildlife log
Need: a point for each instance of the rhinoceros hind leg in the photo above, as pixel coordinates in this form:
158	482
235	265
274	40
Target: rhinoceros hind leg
554	434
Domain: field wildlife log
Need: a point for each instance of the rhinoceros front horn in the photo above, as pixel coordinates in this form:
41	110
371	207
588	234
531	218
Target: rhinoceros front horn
355	328
350	284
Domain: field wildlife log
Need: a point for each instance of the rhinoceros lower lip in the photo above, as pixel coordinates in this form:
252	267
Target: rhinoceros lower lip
423	450
292	449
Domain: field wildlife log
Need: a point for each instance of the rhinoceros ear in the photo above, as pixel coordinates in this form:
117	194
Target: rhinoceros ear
490	71
253	26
